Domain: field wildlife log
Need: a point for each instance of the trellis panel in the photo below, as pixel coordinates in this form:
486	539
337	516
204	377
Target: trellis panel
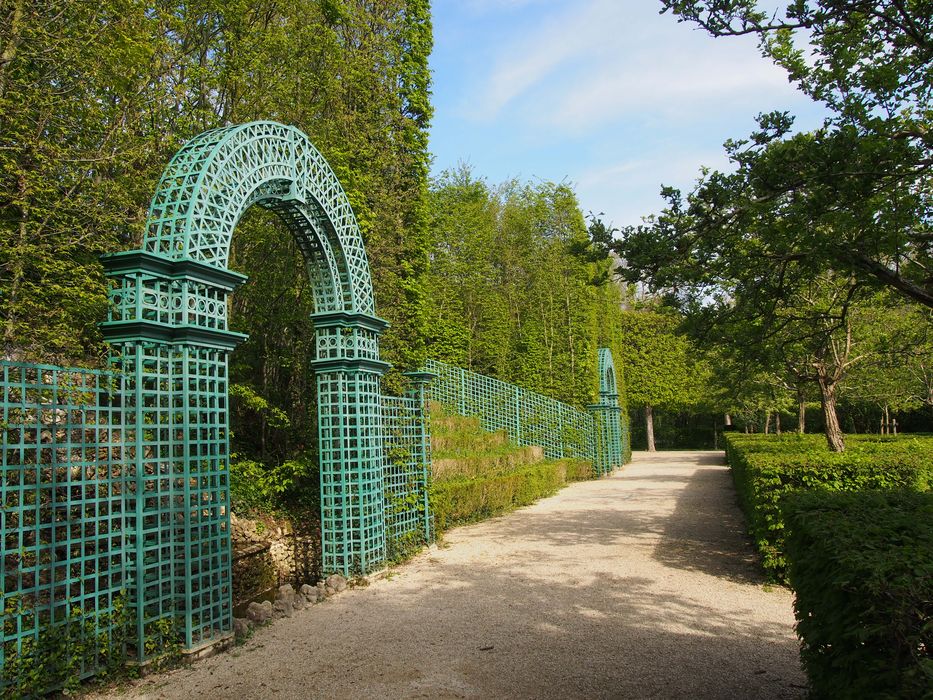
62	493
528	418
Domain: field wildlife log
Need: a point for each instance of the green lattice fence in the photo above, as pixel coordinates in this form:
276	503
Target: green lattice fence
63	555
528	418
407	445
137	459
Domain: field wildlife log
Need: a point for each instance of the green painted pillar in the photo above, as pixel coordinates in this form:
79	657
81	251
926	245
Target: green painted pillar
168	328
350	441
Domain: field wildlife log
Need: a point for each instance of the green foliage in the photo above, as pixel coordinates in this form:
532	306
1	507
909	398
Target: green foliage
257	488
659	363
96	97
852	197
516	289
766	468
861	565
65	652
463	500
272	416
773	256
163	646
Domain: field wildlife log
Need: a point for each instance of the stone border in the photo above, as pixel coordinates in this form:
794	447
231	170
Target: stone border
287	600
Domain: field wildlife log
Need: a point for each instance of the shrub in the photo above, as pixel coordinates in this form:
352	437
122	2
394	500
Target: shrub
464	500
273	488
766	468
861	564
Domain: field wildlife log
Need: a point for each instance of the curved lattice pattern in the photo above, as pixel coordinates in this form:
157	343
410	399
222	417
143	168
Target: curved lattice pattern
607	376
115	484
168	323
218	175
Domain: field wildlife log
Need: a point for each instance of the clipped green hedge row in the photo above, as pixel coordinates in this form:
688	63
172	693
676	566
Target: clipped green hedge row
463	500
861	565
766	468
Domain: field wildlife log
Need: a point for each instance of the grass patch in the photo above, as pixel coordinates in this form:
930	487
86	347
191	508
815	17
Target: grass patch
464	500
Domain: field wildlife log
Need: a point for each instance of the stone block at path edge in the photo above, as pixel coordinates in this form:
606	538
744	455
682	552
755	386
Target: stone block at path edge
259	612
312	594
335	583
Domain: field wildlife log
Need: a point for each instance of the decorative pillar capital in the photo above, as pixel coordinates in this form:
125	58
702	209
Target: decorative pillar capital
348	341
154	297
418	383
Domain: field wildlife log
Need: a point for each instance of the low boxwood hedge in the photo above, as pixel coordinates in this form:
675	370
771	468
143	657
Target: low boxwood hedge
766	468
468	499
861	564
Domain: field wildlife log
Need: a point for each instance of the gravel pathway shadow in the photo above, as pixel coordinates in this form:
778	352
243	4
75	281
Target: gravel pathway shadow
638	585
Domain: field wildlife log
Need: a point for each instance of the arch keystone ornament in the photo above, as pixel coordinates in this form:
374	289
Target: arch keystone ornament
168	326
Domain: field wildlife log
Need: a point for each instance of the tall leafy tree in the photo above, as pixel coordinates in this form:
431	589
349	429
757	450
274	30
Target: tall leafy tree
515	291
659	365
96	97
854	196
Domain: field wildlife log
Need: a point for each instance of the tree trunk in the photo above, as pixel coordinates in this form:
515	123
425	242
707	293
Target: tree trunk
834	436
777	423
14	38
767	422
729	418
801	412
649	427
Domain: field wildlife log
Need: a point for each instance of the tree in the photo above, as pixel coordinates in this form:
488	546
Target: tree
899	376
658	365
808	226
515	291
77	87
855	195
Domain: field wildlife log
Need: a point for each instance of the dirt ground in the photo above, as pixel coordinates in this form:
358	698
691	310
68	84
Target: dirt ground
638	585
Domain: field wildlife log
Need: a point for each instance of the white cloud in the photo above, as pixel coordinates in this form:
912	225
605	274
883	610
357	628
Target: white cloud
628	190
599	60
533	56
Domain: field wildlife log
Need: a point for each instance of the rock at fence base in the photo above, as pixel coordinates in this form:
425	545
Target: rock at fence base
241	626
310	593
299	603
283	608
259	612
337	582
286	593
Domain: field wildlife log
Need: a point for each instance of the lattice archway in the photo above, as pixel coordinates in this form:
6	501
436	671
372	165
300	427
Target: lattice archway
218	175
610	437
168	325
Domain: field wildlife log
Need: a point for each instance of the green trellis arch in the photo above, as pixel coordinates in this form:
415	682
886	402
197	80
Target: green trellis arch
610	432
168	326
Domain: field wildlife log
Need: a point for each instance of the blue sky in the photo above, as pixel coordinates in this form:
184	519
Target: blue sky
606	95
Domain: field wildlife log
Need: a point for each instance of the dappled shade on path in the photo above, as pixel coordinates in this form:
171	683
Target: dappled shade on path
639	585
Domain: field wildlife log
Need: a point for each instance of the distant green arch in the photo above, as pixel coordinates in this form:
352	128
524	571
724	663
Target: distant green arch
607	376
610	434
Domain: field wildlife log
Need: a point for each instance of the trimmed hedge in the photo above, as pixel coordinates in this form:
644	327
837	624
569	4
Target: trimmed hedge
463	500
766	468
862	568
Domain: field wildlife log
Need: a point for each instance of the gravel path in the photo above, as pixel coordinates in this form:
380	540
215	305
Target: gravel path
639	585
